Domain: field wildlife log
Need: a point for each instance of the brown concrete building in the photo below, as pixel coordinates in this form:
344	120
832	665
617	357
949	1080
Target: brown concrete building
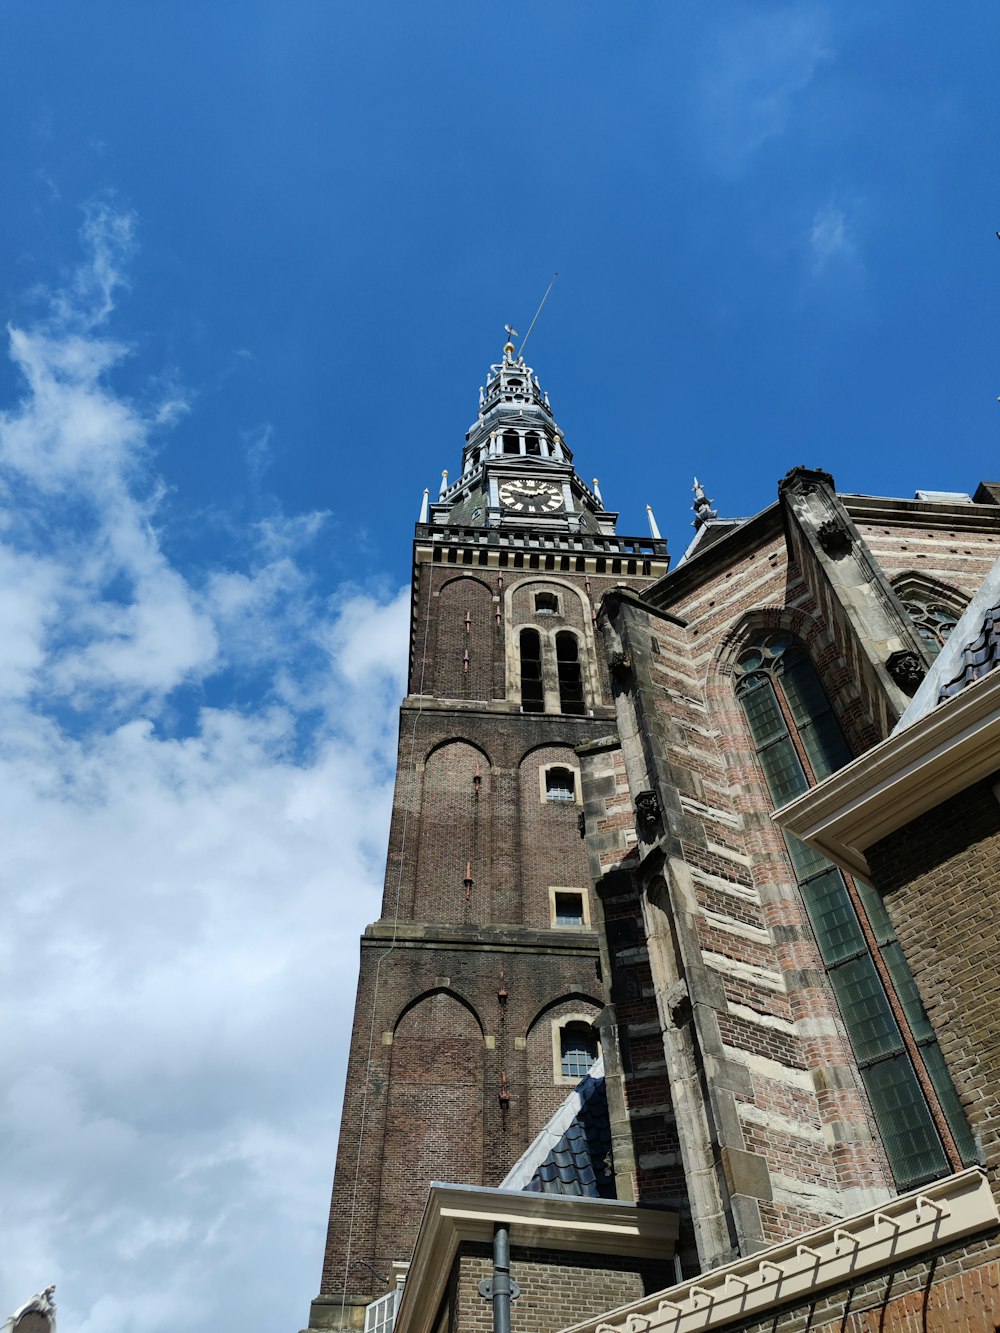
794	1120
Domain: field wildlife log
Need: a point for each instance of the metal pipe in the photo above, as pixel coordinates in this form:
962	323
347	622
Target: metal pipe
501	1279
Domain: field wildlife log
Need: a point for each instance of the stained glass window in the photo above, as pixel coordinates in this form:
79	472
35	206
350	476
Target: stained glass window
798	742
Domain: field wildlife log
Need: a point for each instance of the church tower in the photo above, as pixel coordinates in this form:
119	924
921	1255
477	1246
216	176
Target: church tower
480	984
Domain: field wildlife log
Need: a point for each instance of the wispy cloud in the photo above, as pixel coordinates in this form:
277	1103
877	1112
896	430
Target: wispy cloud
756	72
832	240
181	903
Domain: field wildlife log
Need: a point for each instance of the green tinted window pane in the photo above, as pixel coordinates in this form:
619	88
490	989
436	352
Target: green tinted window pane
832	916
878	917
819	729
906	989
803	690
825	744
782	771
911	1142
950	1104
869	1021
806	860
763	713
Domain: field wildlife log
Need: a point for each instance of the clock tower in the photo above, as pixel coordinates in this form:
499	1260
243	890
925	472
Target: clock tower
480	984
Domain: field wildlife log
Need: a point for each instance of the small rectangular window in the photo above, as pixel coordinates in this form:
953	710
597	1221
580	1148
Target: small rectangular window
568	908
546	604
560	784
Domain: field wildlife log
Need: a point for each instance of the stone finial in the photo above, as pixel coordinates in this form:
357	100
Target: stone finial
702	506
804	480
654	531
444	484
423	505
597	492
37	1315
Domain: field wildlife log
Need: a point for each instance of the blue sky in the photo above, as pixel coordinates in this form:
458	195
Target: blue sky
254	262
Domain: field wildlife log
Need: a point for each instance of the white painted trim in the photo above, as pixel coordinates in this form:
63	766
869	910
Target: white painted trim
843	1253
457	1213
913	771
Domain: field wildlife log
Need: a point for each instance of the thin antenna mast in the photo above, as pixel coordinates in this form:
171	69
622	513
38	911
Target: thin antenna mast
520	350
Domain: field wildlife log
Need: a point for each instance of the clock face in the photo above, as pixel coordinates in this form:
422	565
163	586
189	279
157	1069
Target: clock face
531	497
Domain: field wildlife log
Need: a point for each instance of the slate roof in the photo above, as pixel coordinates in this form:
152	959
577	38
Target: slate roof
572	1154
979	657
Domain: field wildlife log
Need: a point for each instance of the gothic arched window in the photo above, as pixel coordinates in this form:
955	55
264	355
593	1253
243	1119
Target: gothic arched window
570	676
798	741
933	620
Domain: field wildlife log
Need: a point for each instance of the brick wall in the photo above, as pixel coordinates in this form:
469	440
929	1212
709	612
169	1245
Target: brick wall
433	1046
940	880
557	1289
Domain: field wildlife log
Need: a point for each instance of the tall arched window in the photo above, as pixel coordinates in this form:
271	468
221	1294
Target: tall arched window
532	690
570	676
798	742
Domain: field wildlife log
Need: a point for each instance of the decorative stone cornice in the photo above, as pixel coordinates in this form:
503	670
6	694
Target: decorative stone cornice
838	1255
457	1213
941	754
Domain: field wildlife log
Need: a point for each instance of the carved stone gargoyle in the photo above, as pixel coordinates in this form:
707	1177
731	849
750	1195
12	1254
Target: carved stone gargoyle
906	669
834	538
647	810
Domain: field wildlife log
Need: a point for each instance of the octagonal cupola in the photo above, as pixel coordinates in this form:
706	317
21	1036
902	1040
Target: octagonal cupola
515	417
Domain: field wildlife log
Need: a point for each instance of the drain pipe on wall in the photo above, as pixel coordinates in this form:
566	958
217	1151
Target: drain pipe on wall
499	1288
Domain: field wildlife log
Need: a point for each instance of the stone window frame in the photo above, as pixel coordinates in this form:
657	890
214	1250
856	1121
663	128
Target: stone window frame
582	894
543	793
558	1024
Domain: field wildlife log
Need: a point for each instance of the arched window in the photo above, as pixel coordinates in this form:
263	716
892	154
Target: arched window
933	621
798	741
560	784
577	1049
532	691
570	677
511	442
532	445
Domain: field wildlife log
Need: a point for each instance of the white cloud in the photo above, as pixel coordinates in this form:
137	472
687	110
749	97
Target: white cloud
181	905
832	240
764	60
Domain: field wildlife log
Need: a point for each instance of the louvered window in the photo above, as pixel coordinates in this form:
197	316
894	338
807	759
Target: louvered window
532	689
570	677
